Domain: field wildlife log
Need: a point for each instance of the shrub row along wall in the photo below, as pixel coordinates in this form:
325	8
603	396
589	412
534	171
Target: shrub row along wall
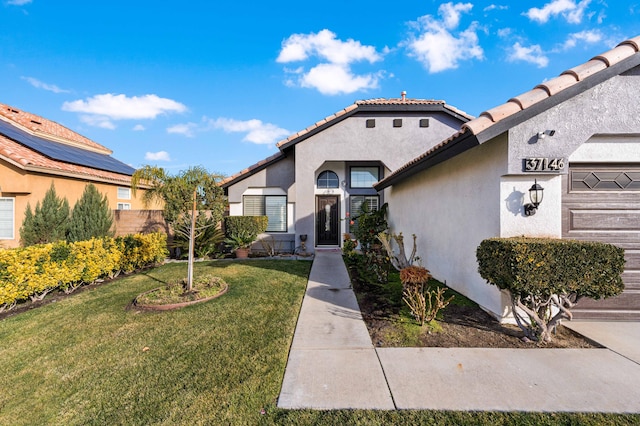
34	271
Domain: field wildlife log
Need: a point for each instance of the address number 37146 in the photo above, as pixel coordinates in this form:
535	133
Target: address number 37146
543	164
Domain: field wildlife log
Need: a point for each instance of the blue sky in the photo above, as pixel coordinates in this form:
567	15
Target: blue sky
217	84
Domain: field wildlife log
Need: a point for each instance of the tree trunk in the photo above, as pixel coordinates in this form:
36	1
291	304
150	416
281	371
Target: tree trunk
192	237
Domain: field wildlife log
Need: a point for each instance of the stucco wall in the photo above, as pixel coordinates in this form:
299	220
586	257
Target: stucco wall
350	140
29	188
611	108
451	208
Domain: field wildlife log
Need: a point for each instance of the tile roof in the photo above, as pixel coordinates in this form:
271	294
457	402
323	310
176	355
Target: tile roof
342	114
28	159
40	126
522	102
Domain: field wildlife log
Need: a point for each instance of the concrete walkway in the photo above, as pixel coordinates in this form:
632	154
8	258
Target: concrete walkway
333	364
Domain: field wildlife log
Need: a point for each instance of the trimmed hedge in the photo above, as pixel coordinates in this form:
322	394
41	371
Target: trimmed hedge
34	271
544	266
243	225
546	277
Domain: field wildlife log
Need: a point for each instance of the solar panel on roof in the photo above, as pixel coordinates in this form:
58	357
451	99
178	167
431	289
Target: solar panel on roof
65	153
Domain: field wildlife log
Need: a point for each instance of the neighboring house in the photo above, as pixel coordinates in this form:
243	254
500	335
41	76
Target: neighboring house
36	152
577	135
328	170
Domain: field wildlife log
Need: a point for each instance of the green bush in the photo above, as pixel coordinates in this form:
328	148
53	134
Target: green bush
541	273
49	223
91	216
208	235
369	224
242	225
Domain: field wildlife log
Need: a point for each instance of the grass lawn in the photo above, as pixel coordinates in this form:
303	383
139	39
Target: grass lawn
87	360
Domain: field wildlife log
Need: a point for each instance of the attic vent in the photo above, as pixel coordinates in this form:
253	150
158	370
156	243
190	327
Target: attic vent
13	110
424	122
397	122
36	122
371	123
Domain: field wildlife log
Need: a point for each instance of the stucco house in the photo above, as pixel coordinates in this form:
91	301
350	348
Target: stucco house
328	170
577	136
36	152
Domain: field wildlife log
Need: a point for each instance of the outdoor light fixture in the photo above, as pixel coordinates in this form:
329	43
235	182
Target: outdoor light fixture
542	135
535	195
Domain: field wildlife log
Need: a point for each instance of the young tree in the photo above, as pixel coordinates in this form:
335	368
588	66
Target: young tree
91	216
185	195
49	223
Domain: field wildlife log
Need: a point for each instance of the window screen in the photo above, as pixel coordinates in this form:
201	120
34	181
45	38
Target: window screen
7	218
124	193
357	201
364	177
272	206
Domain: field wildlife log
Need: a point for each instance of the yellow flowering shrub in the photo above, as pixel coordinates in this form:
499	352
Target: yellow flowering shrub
34	271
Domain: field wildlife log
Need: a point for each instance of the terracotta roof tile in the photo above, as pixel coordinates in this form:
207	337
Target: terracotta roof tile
502	111
617	54
28	158
43	127
479	124
529	98
558	84
587	69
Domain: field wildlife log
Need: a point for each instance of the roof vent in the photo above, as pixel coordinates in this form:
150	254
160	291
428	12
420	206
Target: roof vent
404	95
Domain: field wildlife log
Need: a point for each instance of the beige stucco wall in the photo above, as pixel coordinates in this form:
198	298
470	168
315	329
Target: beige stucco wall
451	208
351	141
30	188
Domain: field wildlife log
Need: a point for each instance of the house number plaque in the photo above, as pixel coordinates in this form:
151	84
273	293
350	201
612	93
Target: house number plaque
543	164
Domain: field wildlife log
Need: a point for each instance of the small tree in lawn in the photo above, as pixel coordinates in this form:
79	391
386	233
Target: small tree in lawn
91	216
49	222
186	195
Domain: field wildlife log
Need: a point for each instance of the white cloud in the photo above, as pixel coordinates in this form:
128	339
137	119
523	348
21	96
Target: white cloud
107	107
494	7
18	2
41	85
324	45
256	131
335	79
138	128
586	37
185	129
333	74
451	13
157	156
568	9
437	47
98	121
532	54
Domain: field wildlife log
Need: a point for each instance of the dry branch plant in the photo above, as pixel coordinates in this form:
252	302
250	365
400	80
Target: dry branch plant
398	260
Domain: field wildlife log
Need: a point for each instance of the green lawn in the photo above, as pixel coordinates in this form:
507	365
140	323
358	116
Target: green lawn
87	360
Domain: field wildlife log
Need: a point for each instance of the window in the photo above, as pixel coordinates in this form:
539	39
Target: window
272	206
7	217
357	202
124	193
124	206
328	179
364	177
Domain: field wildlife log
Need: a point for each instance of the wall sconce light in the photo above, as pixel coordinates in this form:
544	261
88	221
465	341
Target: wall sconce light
535	195
542	135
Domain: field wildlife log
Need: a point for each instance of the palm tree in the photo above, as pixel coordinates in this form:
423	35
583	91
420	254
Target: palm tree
186	195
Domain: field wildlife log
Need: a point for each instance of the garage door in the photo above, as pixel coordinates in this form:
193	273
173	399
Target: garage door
602	203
